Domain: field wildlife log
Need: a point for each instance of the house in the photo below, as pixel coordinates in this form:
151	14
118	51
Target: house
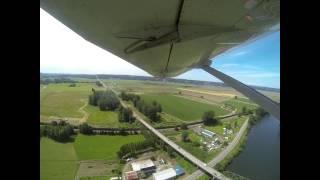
145	166
131	175
167	174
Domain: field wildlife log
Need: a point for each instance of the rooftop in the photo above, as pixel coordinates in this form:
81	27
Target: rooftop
137	166
165	174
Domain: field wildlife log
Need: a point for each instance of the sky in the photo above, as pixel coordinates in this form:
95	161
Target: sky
63	51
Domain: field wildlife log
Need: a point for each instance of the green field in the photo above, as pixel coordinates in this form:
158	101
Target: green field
219	127
58	161
63	101
102	147
101	118
182	108
239	104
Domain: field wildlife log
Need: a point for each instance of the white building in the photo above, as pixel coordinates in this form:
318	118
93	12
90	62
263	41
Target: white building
145	166
207	133
166	174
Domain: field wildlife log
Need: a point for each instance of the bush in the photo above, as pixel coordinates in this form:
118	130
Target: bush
184	126
61	132
209	118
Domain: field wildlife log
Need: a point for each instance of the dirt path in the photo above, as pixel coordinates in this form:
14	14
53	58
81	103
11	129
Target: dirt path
74	120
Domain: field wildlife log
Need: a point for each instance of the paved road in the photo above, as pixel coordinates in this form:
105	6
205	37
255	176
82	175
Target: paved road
184	153
222	154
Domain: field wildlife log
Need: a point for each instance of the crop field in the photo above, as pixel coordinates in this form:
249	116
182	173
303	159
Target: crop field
102	147
184	109
60	100
58	161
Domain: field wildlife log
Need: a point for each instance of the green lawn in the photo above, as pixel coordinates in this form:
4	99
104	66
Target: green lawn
64	101
182	108
101	146
58	161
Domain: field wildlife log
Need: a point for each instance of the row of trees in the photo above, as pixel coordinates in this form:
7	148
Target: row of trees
132	148
149	110
61	131
56	80
257	115
106	100
125	115
98	83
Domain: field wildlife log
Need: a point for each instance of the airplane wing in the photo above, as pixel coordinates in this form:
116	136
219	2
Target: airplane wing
166	37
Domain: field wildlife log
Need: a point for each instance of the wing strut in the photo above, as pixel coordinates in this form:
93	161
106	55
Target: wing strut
266	103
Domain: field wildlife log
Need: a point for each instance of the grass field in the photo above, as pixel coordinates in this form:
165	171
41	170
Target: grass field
239	104
58	161
219	128
102	147
182	108
63	101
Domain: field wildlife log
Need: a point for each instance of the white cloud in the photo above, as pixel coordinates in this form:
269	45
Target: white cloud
63	51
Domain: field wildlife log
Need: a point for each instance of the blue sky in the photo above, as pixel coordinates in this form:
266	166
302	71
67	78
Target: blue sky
256	63
63	51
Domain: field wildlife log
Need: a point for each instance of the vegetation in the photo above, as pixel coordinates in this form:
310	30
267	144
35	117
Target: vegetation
182	108
98	83
208	118
132	148
126	115
61	131
106	100
85	129
102	147
184	126
185	136
56	80
257	116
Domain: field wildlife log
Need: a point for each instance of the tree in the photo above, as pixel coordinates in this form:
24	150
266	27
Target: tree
184	126
196	143
85	129
235	124
185	136
228	126
208	118
180	92
235	97
244	110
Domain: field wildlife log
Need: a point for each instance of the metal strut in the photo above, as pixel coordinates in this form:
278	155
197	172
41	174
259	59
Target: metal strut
266	103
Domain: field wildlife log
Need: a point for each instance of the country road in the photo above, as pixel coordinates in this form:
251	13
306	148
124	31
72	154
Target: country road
223	153
194	160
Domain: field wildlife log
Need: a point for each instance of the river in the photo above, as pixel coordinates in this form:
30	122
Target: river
260	160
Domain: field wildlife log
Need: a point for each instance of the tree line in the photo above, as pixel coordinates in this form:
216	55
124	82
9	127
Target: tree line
132	148
149	110
56	80
60	131
106	100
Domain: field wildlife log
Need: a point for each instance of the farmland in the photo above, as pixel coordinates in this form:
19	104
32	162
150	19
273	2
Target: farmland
182	108
57	160
102	147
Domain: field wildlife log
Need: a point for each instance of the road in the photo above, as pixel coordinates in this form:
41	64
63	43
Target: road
187	155
223	153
